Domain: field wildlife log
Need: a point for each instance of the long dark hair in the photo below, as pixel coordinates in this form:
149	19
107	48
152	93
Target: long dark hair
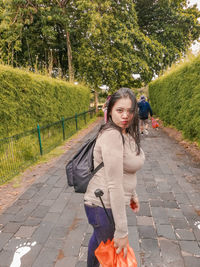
133	128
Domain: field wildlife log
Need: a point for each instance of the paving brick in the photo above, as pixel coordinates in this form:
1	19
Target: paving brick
59	232
29	258
160	215
83	254
179	223
171	204
11	227
5	258
156	203
54	193
170	252
67	261
86	239
133	237
144	209
40	211
20	202
191	261
47	257
164	188
62	182
4	238
73	242
167	196
147	232
52	179
197	234
5	218
25	212
13	209
176	189
32	222
182	199
183	234
25	231
42	233
60	203
151	252
152	188
15	242
131	220
81	264
28	194
51	217
174	213
52	243
48	202
189	212
144	220
165	231
42	193
191	247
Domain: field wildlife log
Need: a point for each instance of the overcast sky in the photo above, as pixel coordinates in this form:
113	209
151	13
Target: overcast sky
192	2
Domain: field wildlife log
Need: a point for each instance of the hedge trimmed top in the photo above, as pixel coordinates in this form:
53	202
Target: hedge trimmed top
28	99
175	98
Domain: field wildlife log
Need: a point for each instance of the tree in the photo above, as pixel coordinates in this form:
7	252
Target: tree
39	32
112	48
102	42
171	23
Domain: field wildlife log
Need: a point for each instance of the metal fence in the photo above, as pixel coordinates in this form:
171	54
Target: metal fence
20	151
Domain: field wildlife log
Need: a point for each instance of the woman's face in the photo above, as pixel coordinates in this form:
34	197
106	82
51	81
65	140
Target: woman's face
122	113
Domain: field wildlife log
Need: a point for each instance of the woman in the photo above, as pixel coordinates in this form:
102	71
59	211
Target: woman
118	146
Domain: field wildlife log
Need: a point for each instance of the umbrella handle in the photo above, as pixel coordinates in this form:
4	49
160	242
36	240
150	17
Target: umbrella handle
99	193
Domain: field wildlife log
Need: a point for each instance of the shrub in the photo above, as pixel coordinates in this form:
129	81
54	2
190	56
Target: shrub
28	99
175	98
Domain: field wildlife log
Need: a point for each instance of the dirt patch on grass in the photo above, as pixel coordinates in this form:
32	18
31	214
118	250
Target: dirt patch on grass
17	186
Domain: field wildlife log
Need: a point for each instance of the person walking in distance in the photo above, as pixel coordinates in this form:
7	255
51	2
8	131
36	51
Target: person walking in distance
118	146
144	111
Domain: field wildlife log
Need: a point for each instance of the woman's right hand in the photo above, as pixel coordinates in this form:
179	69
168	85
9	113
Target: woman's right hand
121	244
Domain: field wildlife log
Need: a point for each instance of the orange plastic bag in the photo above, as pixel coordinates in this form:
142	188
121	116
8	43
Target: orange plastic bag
154	123
107	256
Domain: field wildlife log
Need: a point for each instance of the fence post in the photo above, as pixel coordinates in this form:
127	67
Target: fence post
63	127
90	113
39	139
76	119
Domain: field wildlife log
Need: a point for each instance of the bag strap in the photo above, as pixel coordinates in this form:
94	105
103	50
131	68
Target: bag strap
97	168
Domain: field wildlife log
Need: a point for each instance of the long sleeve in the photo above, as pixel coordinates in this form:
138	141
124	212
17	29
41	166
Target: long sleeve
112	153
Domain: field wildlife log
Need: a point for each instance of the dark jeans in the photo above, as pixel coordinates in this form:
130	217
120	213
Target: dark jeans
103	231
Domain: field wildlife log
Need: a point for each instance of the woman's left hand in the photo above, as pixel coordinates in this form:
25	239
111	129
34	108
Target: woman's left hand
134	204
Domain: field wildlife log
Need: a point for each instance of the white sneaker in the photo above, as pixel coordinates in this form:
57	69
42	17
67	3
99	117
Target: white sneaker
146	132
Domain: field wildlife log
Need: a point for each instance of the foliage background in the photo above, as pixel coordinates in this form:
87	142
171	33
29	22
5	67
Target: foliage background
175	98
28	99
100	42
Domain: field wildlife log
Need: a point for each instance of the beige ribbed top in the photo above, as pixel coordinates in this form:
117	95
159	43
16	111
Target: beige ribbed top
117	178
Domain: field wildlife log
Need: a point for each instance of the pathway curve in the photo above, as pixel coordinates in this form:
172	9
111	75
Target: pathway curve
47	227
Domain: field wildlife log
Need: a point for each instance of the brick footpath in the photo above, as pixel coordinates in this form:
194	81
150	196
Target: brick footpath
47	226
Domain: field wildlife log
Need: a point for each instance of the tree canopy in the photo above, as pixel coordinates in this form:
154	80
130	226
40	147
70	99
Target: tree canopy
100	42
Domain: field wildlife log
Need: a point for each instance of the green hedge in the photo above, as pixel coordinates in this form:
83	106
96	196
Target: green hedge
175	98
27	99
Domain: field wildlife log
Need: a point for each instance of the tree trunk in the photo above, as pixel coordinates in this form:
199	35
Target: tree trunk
96	100
69	54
